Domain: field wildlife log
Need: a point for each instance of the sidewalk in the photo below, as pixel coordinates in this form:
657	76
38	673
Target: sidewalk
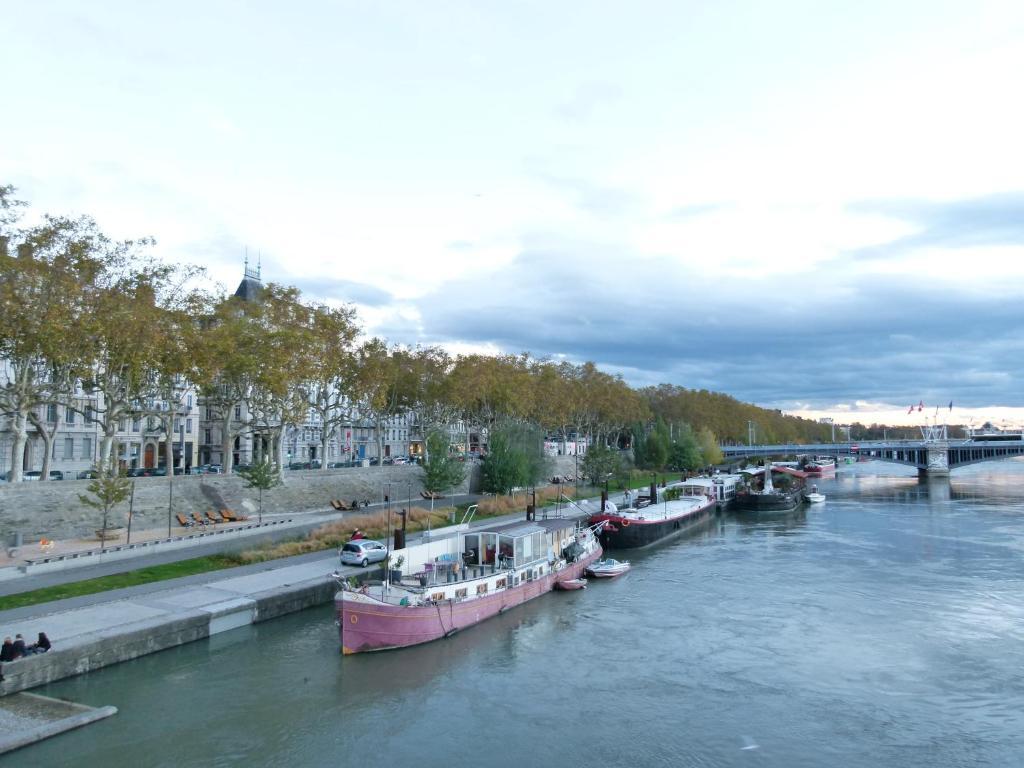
83	560
97	630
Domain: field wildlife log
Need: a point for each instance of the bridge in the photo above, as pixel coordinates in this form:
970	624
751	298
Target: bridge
933	455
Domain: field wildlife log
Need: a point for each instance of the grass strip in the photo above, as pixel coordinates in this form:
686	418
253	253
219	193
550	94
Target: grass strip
118	581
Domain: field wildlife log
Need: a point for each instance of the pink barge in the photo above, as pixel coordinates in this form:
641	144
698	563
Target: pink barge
455	582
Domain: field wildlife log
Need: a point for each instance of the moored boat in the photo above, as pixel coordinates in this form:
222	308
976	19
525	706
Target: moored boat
567	585
819	465
769	498
813	496
462	580
608	569
649	519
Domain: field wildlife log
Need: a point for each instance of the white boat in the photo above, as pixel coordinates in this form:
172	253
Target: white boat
608	569
815	498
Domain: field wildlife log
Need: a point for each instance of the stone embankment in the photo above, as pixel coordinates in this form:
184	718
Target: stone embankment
53	510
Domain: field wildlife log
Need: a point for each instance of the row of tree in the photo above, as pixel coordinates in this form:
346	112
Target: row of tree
81	314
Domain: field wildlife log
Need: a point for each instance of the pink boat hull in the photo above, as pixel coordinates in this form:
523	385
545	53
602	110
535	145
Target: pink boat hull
377	627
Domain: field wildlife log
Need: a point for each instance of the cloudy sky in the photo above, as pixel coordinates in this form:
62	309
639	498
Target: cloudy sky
817	206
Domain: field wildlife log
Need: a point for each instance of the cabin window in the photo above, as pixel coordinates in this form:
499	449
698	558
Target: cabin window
437	596
461	594
500	583
481	589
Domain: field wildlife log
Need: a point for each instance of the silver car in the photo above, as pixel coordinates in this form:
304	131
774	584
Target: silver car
363	552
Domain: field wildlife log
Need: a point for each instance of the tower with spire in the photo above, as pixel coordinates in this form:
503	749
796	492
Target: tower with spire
251	286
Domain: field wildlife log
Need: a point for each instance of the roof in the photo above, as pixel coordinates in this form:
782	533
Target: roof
249	289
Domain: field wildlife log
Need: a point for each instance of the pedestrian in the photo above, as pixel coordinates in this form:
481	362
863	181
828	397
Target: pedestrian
7	653
19	646
42	645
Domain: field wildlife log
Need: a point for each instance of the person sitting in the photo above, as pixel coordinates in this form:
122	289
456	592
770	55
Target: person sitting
42	645
357	534
19	646
7	653
355	504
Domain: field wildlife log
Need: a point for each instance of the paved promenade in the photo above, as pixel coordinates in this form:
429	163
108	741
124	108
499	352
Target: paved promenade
94	631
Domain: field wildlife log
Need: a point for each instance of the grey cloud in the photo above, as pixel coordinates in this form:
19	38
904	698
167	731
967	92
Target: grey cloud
347	291
991	220
766	342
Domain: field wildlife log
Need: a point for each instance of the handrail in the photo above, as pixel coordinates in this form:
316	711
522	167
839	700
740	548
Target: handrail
470	511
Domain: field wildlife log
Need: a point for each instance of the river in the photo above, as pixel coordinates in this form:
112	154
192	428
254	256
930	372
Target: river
884	627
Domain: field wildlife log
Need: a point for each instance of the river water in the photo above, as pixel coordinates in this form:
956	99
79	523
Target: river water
883	628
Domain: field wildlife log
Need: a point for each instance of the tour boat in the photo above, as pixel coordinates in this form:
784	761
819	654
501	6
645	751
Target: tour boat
644	522
608	569
571	584
460	580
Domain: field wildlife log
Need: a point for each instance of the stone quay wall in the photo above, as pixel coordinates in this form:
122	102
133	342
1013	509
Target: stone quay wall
53	509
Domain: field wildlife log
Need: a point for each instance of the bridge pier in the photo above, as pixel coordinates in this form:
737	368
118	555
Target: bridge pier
938	462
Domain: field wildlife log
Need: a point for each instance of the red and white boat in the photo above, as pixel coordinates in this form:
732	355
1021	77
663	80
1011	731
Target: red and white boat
819	465
463	579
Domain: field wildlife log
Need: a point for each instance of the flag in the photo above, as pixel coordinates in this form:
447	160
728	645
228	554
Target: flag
951	405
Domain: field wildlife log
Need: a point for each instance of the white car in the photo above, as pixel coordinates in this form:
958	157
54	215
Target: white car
363	552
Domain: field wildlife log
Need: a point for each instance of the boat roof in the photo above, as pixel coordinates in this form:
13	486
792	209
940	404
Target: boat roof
520	528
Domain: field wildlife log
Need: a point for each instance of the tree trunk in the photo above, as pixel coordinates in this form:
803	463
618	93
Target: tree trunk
325	438
18	446
227	442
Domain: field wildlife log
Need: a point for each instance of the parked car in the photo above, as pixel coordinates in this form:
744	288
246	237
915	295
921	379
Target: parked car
139	472
87	474
158	472
362	552
56	474
374	461
339	464
29	477
214	469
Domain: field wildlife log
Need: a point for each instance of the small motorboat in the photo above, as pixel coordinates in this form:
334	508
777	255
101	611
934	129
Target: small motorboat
814	497
569	584
608	569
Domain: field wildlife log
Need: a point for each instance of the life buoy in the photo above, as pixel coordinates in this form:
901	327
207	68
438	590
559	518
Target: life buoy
624	523
354	619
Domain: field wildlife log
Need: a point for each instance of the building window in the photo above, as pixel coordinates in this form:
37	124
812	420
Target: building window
69	415
189	400
188	426
122	425
209	413
69	448
51	413
206	436
177	425
89	414
87	448
238	413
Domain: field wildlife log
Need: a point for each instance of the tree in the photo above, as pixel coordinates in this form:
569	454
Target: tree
515	458
441	470
709	449
109	488
263	476
42	309
330	371
600	462
651	449
685	452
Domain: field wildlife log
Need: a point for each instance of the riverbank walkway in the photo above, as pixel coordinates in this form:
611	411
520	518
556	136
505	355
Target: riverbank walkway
94	631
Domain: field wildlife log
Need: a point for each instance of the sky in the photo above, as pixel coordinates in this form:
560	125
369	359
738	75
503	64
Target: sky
813	206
